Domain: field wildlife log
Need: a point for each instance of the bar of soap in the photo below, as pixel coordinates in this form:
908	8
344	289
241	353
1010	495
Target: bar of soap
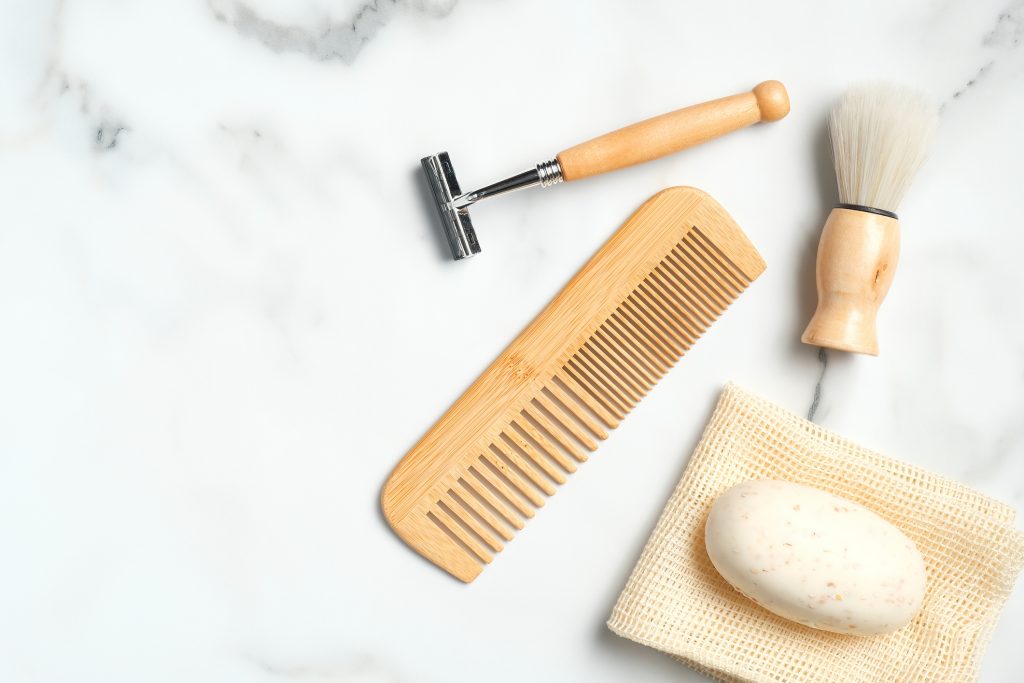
815	558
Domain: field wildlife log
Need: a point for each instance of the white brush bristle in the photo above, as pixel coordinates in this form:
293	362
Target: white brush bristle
880	135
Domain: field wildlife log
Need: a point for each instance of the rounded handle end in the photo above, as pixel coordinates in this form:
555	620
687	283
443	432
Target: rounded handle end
772	100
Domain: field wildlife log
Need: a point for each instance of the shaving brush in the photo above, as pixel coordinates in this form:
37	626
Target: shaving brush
880	135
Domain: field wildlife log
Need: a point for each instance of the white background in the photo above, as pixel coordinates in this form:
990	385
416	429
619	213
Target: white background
226	313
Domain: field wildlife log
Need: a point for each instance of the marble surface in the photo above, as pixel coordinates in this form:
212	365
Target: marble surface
226	312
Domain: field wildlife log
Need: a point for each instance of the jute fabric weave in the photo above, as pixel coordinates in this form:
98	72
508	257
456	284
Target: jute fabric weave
676	602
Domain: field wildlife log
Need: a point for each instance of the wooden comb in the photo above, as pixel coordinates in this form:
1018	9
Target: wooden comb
626	317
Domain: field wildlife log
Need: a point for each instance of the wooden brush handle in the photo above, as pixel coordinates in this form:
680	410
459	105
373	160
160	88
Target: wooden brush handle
674	131
857	258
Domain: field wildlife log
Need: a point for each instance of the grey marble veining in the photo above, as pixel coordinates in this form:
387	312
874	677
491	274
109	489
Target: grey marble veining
327	40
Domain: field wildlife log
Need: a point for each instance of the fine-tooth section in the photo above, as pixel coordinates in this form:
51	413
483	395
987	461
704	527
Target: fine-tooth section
602	387
574	408
591	387
660	323
586	400
626	336
667	321
706	297
652	332
617	353
727	267
653	345
694	315
701	309
584	363
664	301
623	368
716	288
676	299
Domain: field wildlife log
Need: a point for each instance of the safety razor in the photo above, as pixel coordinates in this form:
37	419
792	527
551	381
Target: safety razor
650	139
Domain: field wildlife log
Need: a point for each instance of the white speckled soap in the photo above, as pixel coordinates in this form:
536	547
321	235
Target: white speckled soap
815	558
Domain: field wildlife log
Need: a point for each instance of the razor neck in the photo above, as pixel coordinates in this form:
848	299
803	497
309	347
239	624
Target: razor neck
544	174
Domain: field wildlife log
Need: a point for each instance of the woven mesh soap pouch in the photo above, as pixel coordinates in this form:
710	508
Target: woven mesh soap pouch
676	602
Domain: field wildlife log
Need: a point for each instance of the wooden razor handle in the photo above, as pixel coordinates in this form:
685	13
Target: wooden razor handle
857	258
674	131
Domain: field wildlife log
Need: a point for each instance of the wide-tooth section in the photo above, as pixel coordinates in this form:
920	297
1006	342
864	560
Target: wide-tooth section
465	497
451	526
516	442
454	506
566	420
545	444
574	390
559	433
484	471
523	475
599	384
573	408
477	485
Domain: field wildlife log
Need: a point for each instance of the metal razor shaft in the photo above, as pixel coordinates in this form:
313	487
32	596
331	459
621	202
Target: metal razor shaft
544	174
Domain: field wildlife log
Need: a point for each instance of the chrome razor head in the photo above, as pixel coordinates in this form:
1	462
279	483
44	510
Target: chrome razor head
445	189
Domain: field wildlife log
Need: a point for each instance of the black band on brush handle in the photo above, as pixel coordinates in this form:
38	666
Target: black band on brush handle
868	209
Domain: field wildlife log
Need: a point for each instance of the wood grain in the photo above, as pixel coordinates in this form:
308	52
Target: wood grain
674	131
857	257
579	368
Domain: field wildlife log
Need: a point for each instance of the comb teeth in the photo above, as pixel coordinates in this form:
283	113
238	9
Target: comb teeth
486	495
601	382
